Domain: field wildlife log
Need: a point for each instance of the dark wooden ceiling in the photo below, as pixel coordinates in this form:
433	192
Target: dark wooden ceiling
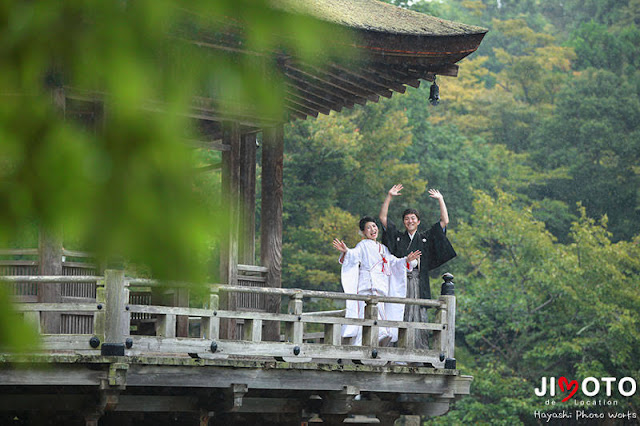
384	56
387	61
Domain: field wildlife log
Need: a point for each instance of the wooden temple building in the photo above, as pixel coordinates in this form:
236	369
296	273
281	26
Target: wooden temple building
113	352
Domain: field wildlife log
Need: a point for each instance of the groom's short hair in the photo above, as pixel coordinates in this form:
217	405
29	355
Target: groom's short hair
410	211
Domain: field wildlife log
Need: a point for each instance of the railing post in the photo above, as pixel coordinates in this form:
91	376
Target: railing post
252	330
295	329
210	326
99	318
115	315
166	325
371	334
226	302
406	337
332	334
448	319
33	319
50	263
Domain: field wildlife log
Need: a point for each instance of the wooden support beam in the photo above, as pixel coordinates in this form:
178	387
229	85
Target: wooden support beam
271	226
235	395
320	90
205	416
50	263
208	109
373	78
50	250
316	101
339	402
213	145
292	99
116	318
394	75
92	419
350	79
320	83
294	115
210	167
231	194
301	109
319	95
270	405
449	70
247	243
405	73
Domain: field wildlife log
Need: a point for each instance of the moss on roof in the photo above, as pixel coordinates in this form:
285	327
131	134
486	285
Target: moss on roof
374	15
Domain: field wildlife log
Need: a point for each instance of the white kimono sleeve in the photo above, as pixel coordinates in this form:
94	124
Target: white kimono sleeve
397	288
349	277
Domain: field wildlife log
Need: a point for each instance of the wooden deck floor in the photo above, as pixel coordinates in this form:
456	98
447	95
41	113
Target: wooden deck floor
241	391
112	377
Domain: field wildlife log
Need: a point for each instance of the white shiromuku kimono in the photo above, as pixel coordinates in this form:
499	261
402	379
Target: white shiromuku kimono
370	269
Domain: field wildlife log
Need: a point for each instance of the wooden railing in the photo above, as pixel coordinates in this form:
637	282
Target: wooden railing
112	312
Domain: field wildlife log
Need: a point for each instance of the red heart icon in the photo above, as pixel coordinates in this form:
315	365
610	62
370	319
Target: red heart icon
569	386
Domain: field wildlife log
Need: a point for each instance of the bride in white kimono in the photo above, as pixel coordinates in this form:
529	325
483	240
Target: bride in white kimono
370	269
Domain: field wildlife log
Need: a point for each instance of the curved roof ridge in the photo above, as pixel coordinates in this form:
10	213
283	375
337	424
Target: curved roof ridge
374	15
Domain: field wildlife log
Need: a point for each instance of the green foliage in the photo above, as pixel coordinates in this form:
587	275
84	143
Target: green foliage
16	335
319	161
127	189
530	307
502	404
310	261
337	169
535	147
594	136
122	182
613	49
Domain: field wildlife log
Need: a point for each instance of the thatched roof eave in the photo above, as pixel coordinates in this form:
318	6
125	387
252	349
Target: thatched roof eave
377	16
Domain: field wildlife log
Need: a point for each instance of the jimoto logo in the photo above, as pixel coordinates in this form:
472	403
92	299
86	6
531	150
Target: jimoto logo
589	387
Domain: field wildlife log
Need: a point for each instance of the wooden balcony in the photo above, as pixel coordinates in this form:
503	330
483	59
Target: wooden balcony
108	372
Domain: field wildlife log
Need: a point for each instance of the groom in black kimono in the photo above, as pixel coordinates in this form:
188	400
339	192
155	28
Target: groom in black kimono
434	245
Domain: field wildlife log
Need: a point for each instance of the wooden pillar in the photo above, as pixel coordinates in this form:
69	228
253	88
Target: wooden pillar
230	191
92	419
50	250
231	198
205	416
271	219
181	298
445	340
116	318
247	237
50	263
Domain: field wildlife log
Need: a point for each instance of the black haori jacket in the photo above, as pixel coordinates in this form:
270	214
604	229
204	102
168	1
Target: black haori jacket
433	243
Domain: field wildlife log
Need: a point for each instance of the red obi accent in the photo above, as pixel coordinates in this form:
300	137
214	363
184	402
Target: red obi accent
385	268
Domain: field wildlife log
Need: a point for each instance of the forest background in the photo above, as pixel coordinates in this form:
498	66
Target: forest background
536	148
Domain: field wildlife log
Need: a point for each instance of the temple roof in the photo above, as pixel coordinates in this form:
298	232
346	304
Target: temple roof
392	48
374	15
